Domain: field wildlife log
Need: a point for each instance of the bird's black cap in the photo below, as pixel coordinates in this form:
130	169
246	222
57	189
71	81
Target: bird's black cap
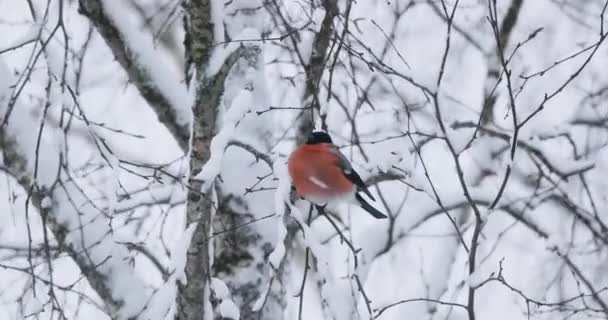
318	137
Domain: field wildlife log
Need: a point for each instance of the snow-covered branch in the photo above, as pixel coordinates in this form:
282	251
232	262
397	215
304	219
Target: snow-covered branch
77	226
164	91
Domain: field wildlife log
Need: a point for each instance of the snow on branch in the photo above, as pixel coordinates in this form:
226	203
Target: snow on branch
165	93
242	104
240	97
78	226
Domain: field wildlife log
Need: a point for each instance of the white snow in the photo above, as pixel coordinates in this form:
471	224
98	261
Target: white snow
168	191
426	254
556	242
179	253
239	108
46	203
164	79
244	14
220	288
281	196
227	307
207	303
259	302
277	255
334	292
30	35
6	81
560	161
218	55
161	303
476	278
33	305
570	166
238	101
99	247
229	310
72	209
217	18
375	240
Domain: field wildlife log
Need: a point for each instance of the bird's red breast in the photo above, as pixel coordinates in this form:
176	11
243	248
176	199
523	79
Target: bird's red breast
316	172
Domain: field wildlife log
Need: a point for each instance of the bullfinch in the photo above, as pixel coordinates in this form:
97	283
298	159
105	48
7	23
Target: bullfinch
322	174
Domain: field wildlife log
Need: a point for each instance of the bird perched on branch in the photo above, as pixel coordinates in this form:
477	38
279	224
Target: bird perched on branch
321	174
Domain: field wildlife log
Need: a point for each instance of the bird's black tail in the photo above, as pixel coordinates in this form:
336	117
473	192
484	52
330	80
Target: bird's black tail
367	207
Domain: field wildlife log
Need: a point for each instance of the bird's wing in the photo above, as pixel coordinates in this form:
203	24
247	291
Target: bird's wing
350	173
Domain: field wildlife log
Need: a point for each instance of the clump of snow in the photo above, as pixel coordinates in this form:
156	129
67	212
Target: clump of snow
277	255
476	278
259	302
217	18
375	242
310	238
229	310
420	181
179	253
163	191
281	196
569	166
220	288
458	138
46	203
239	108
241	95
29	36
244	14
72	208
306	45
218	55
164	79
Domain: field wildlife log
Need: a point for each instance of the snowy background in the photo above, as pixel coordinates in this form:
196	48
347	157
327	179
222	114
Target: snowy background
144	145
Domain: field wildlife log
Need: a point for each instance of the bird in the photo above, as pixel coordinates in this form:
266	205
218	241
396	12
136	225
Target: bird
321	174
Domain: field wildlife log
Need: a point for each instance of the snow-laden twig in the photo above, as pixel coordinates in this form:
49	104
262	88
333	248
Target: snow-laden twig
161	88
77	225
281	197
143	52
249	93
239	108
227	308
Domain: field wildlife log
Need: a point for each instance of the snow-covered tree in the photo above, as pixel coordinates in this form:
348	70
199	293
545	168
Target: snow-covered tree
144	147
